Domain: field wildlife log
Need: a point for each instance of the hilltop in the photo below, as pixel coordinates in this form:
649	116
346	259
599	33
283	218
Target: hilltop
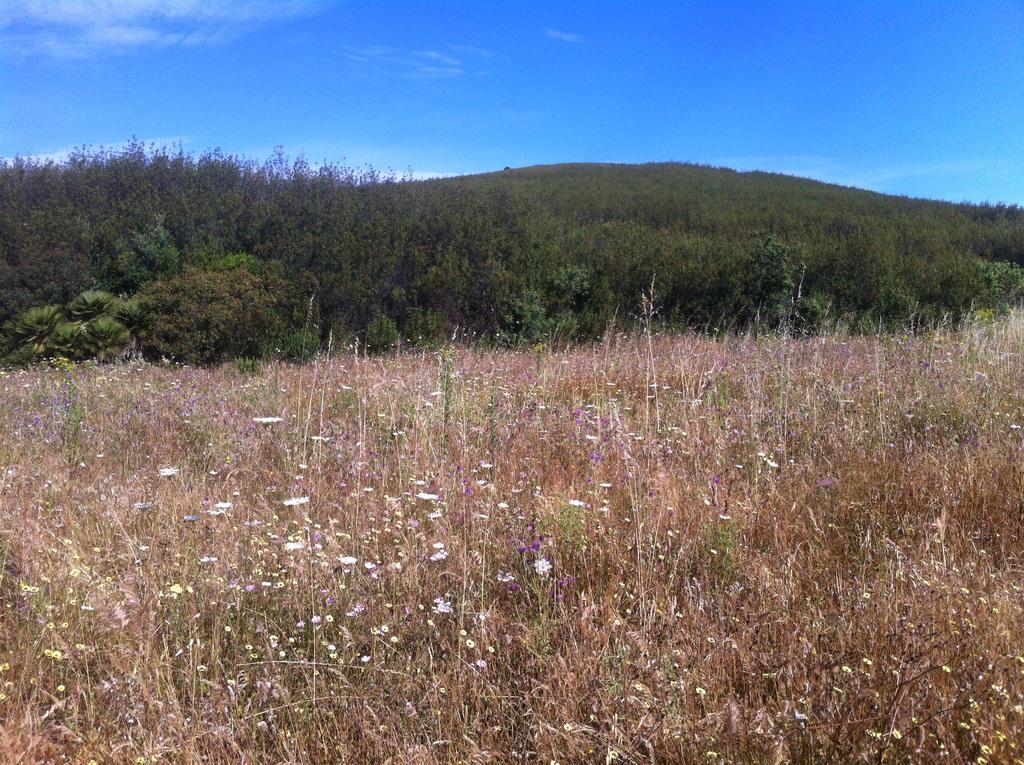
515	256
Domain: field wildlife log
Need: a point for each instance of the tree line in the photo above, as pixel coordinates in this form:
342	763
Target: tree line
217	256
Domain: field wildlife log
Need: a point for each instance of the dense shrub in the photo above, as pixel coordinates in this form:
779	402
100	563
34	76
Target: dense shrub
554	252
204	317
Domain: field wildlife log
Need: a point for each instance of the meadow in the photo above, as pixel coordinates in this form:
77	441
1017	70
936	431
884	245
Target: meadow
645	550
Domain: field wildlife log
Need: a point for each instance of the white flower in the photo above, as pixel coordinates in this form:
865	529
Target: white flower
542	566
442	606
577	503
293	546
296	501
168	472
427	496
506	577
439	555
208	559
347	560
223	505
266	420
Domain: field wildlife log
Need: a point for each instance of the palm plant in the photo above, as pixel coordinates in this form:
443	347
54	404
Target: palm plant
133	316
90	305
105	337
67	341
37	325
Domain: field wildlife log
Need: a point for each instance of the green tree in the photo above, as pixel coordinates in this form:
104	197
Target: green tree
771	281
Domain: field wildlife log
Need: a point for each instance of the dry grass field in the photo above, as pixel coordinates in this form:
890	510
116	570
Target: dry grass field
750	550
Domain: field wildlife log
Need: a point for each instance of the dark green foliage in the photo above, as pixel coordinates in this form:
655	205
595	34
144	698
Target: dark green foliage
68	341
297	345
90	326
770	282
105	337
90	305
36	326
205	317
381	334
545	253
133	316
1002	284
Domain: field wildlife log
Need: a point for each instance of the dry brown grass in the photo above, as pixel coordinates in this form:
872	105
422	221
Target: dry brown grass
786	551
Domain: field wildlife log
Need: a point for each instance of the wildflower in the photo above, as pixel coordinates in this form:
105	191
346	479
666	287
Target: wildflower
347	560
266	420
223	506
505	577
294	501
442	606
293	546
439	555
542	566
168	472
426	496
577	503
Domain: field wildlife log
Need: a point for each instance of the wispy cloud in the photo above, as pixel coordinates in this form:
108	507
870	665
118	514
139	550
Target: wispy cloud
558	34
417	64
75	29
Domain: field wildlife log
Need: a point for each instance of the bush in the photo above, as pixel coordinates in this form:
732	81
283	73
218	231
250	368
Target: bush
1002	284
299	345
381	334
205	317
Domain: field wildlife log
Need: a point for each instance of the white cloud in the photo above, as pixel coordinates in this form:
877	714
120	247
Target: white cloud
71	29
416	64
569	37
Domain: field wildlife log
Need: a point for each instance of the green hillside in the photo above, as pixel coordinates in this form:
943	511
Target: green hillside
514	256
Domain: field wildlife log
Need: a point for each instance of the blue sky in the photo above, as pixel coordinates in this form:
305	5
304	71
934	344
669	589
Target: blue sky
924	99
